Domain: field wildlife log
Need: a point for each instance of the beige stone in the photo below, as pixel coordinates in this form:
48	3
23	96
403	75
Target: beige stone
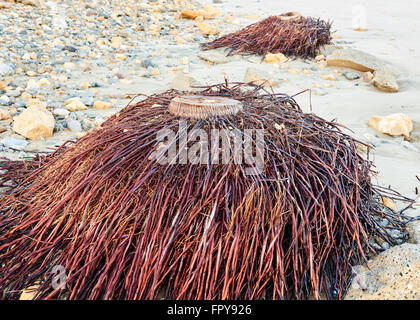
384	80
394	275
183	82
35	102
101	105
74	104
259	77
29	293
191	14
211	12
328	77
116	42
275	58
5	114
34	123
120	57
208	29
208	12
397	124
354	59
214	57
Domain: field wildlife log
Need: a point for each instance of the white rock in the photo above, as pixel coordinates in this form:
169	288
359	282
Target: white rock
384	80
393	275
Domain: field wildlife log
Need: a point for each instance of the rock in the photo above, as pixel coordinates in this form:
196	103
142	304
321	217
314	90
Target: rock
328	49
3	85
121	57
207	12
259	77
5	114
394	275
384	80
74	104
397	124
410	146
101	105
13	93
61	112
5	69
413	229
35	102
70	48
350	75
214	56
367	76
74	125
329	77
320	57
211	12
275	58
354	59
319	92
208	29
183	82
14	143
155	72
34	123
29	293
191	14
147	63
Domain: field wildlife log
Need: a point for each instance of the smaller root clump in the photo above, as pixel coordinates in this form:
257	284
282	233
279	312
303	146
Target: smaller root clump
289	34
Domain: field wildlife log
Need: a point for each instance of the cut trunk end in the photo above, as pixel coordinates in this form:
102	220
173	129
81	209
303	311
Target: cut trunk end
290	16
203	107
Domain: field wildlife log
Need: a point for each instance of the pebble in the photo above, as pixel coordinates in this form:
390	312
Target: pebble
61	112
101	105
5	69
14	143
410	146
74	125
351	75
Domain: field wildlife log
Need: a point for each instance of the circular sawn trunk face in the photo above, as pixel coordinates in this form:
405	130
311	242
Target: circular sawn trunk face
202	107
290	16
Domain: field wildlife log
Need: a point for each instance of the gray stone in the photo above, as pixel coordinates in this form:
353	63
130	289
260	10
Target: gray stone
74	125
5	69
409	146
413	229
350	75
14	143
61	112
146	63
13	93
